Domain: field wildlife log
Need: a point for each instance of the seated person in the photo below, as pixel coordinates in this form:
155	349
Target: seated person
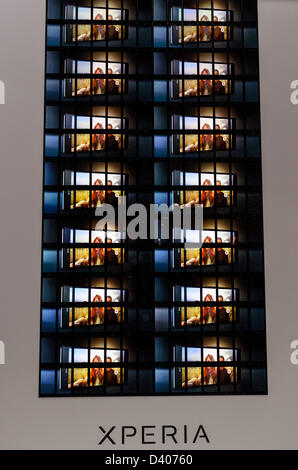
96	376
111	196
113	31
221	256
206	87
111	257
111	376
204	31
206	140
195	381
97	256
96	315
110	315
221	200
113	85
190	92
220	143
219	32
209	313
112	143
98	86
192	37
224	376
191	148
98	31
98	141
222	315
210	373
97	198
207	196
195	320
208	256
219	87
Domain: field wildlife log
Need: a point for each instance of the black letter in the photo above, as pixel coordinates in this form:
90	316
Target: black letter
201	428
128	435
173	434
149	434
106	435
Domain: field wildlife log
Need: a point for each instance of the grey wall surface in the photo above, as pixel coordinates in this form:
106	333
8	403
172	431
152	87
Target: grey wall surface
28	422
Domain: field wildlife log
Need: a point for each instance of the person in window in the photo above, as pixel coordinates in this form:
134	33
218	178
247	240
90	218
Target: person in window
206	140
210	373
192	37
97	313
195	320
222	315
219	85
96	376
193	91
209	312
111	316
97	254
98	141
221	255
221	199
113	31
204	31
113	85
98	85
224	376
205	85
111	376
193	147
207	196
97	196
208	254
81	321
192	202
111	257
112	142
195	381
220	142
111	196
219	32
98	31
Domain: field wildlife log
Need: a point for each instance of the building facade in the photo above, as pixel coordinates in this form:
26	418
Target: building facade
158	102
